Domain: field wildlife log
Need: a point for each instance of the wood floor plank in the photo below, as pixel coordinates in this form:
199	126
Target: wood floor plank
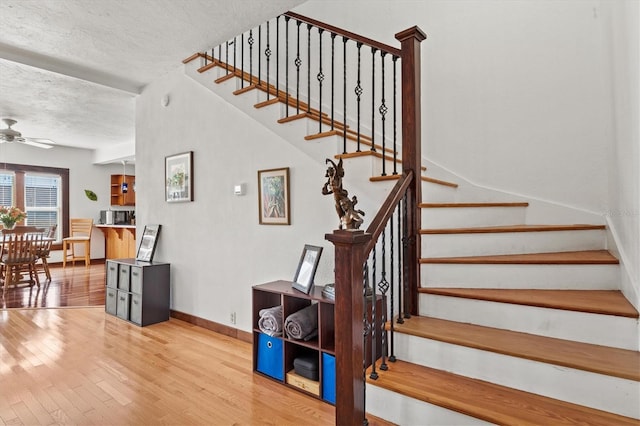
102	370
606	302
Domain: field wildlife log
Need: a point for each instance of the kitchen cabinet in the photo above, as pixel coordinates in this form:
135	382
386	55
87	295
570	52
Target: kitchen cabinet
138	292
119	241
117	197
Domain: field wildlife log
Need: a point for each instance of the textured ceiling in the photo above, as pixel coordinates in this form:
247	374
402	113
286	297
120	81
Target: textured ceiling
70	70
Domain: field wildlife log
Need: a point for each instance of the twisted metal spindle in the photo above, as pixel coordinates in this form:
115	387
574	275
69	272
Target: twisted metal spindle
383	286
395	119
320	78
358	91
373	100
344	93
298	62
309	68
374	319
383	114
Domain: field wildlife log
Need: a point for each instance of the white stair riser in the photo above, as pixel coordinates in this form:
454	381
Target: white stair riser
436	193
606	330
567	277
594	390
443	245
403	410
466	217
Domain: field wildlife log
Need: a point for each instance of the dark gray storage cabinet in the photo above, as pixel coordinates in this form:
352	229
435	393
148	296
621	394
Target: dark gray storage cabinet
137	291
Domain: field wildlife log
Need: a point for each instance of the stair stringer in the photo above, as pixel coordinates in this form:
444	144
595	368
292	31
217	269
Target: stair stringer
358	172
540	211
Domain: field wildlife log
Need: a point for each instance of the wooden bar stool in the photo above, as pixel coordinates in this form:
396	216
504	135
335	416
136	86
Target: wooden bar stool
80	234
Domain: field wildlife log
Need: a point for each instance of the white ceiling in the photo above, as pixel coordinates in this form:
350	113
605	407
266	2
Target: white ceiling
70	70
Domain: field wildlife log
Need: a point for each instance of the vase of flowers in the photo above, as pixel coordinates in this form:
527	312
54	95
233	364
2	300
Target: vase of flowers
9	216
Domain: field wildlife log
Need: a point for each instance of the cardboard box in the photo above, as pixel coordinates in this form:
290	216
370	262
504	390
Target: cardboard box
303	383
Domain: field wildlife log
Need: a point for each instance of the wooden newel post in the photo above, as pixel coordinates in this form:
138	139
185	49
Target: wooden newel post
410	40
349	311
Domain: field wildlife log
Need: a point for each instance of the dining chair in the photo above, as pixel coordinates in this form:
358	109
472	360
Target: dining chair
80	234
18	256
44	249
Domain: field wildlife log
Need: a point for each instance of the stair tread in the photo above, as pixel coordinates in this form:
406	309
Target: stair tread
585	257
423	178
606	302
488	401
605	360
513	228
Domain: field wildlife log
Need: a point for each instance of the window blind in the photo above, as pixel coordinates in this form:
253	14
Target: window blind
42	200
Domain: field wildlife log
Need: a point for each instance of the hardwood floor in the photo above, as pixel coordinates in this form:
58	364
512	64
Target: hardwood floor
71	286
80	366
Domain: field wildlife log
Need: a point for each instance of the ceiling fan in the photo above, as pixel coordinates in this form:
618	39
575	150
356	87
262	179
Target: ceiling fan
10	135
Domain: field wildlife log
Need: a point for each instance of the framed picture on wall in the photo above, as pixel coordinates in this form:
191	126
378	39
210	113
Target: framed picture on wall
178	175
273	196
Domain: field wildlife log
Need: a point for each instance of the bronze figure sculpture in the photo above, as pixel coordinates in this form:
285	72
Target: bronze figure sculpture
350	217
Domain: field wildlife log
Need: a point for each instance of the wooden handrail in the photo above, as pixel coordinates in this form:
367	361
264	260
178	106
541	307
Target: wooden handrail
351	36
379	222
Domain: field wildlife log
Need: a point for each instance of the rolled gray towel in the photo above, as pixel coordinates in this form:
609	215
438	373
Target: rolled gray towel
303	325
270	321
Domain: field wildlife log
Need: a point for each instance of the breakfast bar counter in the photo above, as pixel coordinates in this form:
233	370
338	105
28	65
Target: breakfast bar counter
119	241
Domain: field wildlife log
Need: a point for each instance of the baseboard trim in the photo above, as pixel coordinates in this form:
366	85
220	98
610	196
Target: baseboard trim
213	326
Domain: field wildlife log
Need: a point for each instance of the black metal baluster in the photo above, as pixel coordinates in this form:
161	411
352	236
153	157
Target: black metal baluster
250	41
309	68
366	329
383	286
383	113
373	100
395	119
234	55
320	79
392	357
259	55
407	238
205	58
242	61
401	245
286	67
358	91
226	61
267	54
374	319
344	93
333	62
277	57
298	62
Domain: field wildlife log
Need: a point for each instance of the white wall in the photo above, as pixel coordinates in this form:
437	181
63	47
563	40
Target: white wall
216	247
82	175
517	95
623	213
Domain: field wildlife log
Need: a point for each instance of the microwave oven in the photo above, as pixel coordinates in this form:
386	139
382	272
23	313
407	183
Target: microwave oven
116	217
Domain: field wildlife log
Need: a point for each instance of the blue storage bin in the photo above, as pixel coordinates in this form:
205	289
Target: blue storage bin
329	378
270	358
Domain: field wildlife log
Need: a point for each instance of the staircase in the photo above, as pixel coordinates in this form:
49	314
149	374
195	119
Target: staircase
519	323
